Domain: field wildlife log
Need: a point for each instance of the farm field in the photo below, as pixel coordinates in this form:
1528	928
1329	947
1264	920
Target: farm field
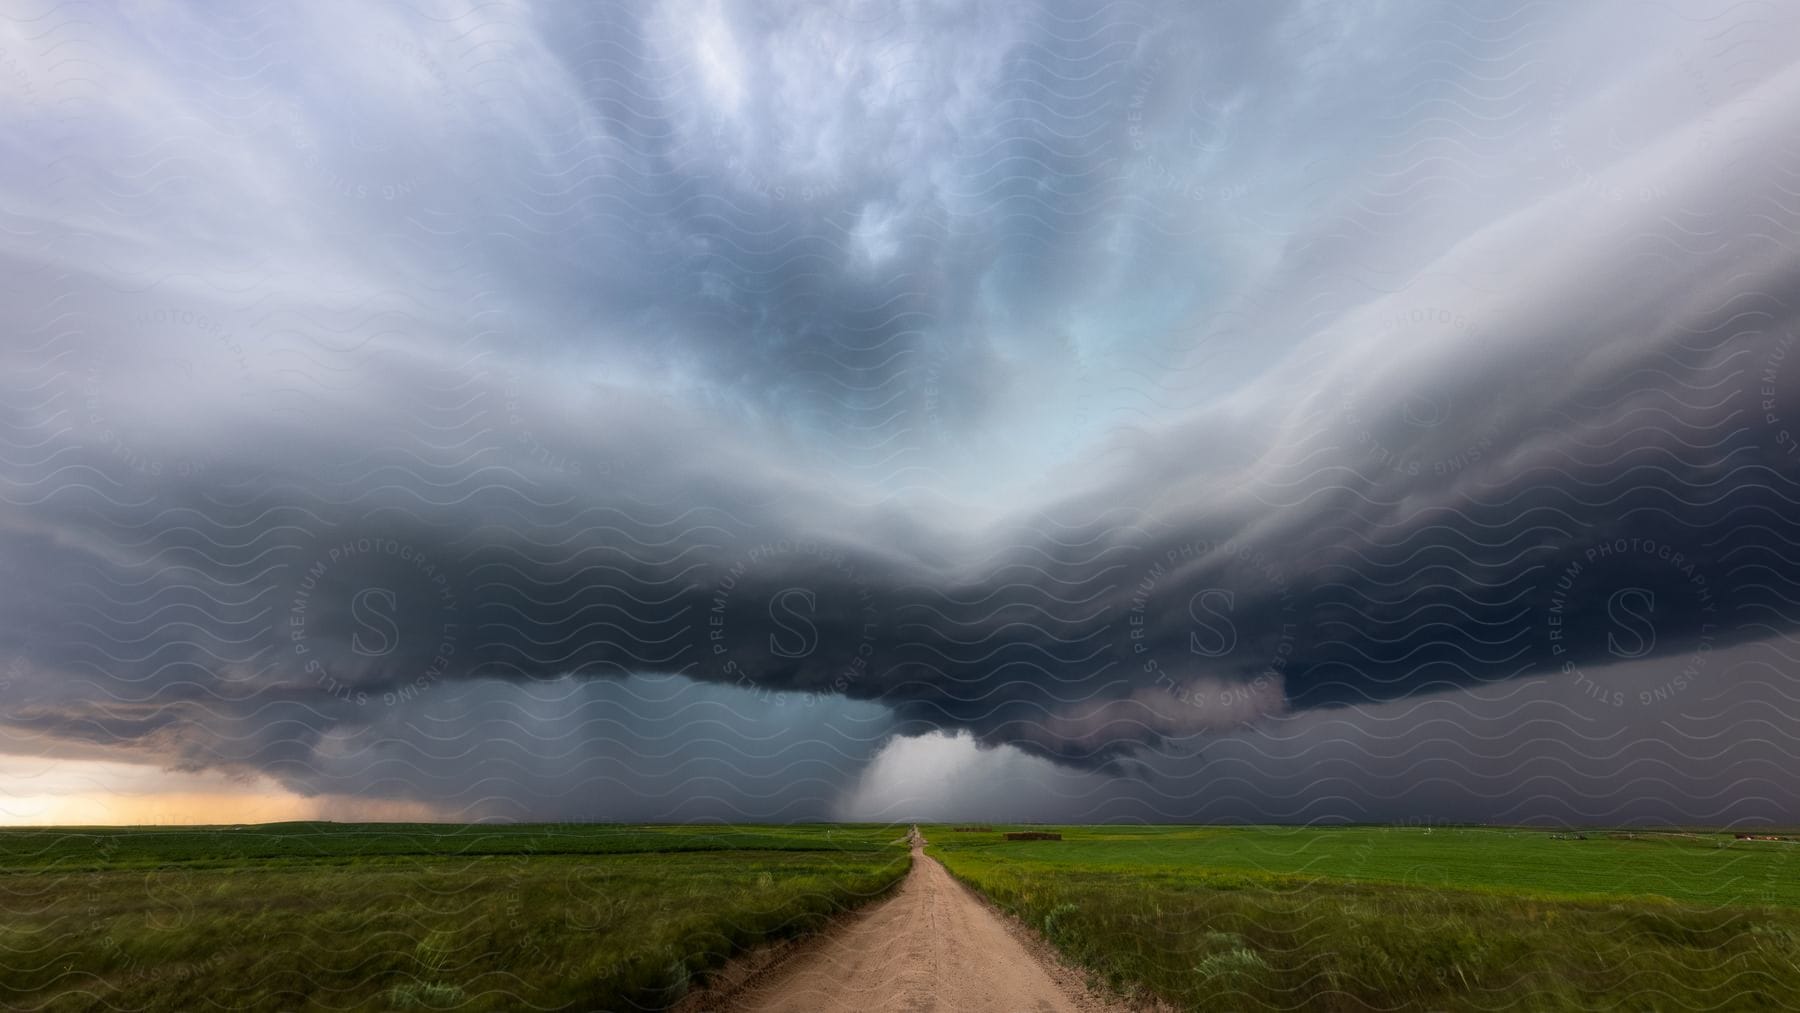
374	917
319	916
1352	918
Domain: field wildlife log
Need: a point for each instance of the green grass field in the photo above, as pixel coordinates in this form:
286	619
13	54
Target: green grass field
1362	918
319	916
368	917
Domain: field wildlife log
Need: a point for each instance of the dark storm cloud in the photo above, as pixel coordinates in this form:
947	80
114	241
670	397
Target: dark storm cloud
1084	381
1529	750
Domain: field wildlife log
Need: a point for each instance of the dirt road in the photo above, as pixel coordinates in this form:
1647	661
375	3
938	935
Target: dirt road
933	945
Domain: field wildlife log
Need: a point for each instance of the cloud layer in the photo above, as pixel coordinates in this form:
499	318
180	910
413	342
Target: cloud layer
700	409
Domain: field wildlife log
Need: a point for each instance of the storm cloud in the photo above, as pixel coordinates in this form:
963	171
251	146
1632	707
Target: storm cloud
699	410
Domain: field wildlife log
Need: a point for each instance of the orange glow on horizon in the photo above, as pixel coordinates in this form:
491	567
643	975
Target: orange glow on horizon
43	791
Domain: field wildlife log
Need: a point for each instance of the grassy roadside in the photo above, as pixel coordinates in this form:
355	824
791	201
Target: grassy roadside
382	918
1394	918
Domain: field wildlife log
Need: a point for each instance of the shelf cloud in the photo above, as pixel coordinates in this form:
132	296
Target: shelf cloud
707	410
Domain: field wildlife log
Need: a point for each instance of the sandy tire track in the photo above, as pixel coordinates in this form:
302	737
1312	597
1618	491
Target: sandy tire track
933	945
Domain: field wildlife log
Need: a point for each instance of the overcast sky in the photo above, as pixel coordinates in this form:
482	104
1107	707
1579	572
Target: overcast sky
880	410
